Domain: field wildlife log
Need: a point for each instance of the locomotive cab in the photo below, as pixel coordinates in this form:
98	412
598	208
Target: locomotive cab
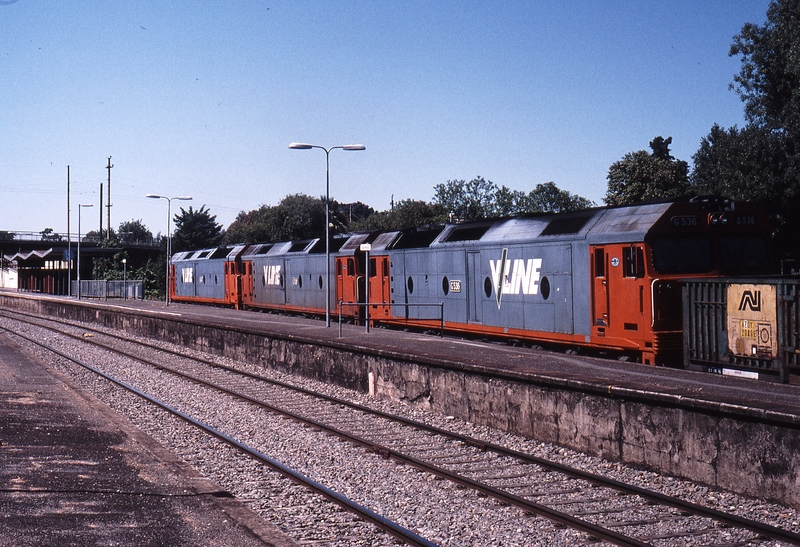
636	287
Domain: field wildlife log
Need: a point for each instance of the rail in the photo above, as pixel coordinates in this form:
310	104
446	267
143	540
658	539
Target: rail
440	305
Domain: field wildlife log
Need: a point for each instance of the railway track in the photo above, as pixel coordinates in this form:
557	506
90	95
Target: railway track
569	499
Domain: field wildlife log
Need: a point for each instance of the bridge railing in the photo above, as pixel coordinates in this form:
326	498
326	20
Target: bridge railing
55	237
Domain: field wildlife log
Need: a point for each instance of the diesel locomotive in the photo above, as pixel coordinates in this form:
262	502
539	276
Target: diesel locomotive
607	278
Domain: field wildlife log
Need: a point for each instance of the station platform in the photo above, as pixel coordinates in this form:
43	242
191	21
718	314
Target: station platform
494	359
74	473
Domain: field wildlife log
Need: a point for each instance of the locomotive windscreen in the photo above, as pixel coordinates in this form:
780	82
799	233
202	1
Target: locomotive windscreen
683	255
744	254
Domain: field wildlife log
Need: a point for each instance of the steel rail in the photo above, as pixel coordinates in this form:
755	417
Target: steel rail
365	513
662	499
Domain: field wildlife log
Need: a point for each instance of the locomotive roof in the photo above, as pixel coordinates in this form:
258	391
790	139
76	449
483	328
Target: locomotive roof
208	254
608	224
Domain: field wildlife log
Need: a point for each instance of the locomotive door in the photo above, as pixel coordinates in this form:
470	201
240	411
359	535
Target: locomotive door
620	303
474	285
233	284
347	285
600	318
379	288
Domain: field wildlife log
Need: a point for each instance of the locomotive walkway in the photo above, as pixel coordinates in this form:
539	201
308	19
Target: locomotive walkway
74	473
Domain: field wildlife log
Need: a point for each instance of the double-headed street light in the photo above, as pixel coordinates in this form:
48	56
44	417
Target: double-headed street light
80	206
304	146
169	236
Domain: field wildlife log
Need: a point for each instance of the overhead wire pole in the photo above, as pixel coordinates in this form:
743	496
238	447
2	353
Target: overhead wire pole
69	243
306	146
108	214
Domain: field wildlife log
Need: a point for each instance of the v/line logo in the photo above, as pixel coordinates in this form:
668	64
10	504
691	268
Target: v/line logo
520	277
272	274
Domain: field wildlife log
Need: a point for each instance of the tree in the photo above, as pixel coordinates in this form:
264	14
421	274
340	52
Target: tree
133	231
641	176
405	214
549	198
473	200
769	81
345	215
761	162
297	216
48	235
195	229
251	226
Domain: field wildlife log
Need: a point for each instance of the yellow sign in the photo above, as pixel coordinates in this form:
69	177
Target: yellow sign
752	321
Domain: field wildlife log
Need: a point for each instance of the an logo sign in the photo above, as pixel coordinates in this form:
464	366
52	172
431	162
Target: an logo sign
521	276
187	275
752	320
750	300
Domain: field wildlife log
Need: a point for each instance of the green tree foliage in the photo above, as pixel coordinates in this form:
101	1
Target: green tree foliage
473	200
769	81
480	199
134	232
642	176
405	214
195	229
740	164
297	216
761	162
251	226
545	198
549	198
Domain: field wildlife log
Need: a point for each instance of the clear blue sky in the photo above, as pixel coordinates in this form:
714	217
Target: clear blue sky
203	98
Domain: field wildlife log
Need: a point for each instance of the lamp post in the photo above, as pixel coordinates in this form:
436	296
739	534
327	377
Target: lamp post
125	277
305	146
80	205
169	236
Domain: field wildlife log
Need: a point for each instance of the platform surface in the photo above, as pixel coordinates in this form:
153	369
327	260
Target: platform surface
74	473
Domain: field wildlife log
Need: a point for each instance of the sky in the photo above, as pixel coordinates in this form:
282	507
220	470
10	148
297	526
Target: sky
202	99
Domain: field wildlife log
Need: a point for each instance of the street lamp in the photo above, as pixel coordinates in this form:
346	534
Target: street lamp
80	205
305	146
125	277
169	236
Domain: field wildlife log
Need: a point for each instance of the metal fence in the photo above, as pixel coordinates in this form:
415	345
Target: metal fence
367	318
126	290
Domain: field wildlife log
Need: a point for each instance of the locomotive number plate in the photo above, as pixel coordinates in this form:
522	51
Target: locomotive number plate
455	285
684	221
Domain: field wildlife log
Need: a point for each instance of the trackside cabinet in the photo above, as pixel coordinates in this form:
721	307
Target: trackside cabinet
743	327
